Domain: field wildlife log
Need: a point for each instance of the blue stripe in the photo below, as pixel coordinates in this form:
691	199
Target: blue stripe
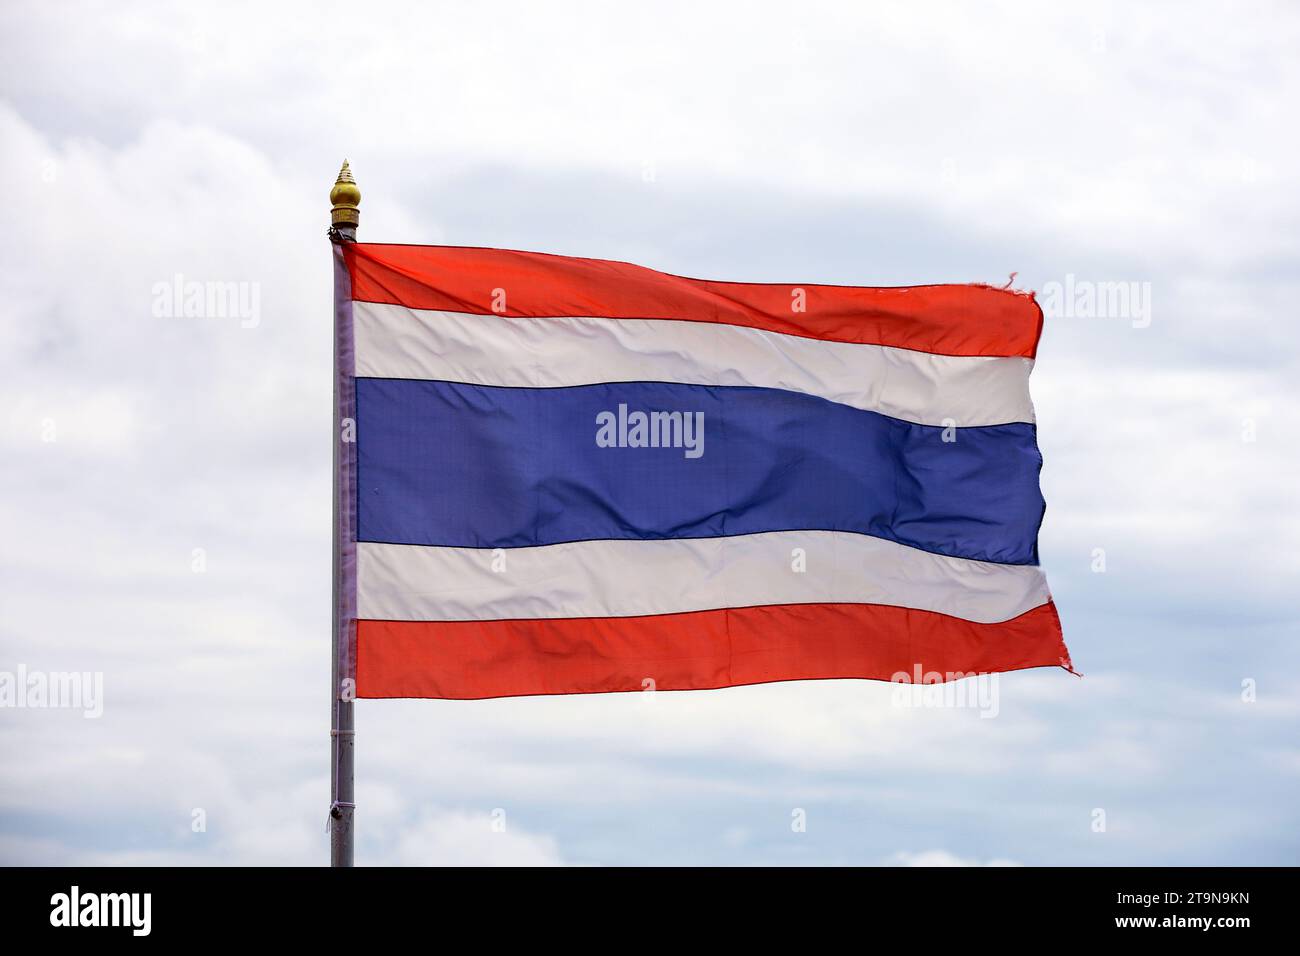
448	464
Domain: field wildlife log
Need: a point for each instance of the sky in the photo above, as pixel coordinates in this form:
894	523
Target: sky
165	495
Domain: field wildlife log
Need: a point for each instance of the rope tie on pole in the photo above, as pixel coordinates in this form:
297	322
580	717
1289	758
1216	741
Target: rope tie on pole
335	813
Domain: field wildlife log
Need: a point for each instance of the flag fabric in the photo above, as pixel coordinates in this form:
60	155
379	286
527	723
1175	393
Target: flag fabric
574	475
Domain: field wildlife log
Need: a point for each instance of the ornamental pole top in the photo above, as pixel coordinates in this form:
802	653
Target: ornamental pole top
345	197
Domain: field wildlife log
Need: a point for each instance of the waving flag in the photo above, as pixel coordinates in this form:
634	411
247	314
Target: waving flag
578	476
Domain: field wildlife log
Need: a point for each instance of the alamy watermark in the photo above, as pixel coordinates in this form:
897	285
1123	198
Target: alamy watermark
132	911
637	429
22	689
975	690
190	299
1088	299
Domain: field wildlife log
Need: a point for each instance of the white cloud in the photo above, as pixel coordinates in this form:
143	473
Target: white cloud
457	838
883	146
941	858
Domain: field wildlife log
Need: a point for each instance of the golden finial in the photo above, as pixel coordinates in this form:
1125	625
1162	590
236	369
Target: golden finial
346	197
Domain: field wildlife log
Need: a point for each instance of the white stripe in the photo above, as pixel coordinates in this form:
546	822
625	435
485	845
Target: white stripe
393	341
626	578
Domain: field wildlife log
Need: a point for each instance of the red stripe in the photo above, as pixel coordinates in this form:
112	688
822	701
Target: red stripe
694	651
943	319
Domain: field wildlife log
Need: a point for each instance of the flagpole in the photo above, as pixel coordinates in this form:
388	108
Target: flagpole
344	215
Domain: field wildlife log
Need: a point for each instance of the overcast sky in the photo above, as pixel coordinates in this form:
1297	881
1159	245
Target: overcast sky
905	143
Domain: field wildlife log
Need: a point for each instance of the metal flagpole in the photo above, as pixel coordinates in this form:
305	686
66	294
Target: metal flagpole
344	197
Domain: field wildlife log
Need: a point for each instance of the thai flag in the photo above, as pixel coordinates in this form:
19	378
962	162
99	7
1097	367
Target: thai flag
577	476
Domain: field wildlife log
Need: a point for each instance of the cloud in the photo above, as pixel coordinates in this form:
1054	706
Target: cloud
457	838
886	146
941	858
